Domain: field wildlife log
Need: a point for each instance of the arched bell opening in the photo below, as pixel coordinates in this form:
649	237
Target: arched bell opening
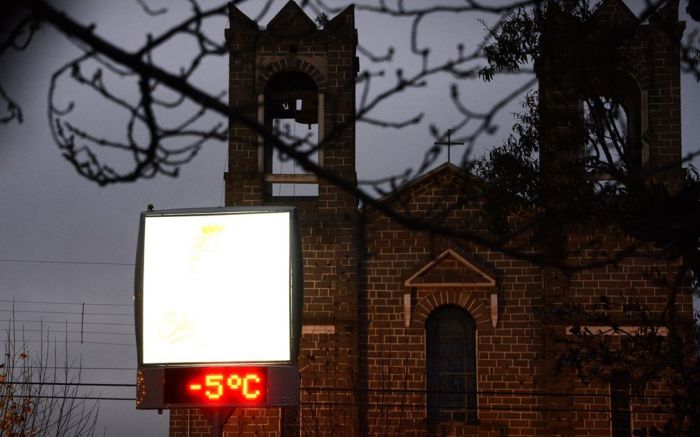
615	123
607	132
291	108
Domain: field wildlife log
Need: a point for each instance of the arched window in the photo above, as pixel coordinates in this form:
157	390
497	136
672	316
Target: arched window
451	365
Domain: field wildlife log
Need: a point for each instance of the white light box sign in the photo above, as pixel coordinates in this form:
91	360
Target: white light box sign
216	287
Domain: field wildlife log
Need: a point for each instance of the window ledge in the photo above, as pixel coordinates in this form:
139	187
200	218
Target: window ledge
291	178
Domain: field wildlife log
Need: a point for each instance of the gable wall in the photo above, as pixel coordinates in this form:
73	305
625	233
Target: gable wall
396	356
521	389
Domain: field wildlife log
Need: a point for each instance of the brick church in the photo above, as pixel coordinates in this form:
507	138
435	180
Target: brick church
408	333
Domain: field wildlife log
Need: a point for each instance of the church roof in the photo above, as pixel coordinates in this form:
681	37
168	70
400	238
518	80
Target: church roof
447	176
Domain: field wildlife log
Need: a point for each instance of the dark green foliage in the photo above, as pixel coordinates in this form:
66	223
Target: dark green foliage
693	9
591	178
511	171
515	44
646	357
668	220
517	41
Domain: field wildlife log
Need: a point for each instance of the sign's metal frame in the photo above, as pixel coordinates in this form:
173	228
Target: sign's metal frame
282	376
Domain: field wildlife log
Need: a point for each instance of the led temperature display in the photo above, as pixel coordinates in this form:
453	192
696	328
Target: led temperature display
216	386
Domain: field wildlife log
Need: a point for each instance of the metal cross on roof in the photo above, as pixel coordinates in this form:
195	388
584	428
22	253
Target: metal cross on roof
449	144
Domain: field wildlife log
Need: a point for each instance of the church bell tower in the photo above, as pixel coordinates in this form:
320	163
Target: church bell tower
297	79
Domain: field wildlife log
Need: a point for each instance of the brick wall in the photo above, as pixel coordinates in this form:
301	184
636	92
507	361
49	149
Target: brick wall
521	389
508	355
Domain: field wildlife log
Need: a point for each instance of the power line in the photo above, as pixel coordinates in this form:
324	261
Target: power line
512	408
44	302
72	332
80	342
521	393
76	398
47	261
78	313
412	405
88	368
67	322
356	390
77	384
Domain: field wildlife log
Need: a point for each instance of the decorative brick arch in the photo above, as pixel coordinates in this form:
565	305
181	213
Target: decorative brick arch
463	299
290	64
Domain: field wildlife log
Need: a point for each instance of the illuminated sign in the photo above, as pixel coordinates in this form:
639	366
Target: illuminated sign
218	298
214	386
217	287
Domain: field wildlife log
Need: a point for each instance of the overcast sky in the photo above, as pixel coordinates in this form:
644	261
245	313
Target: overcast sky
68	241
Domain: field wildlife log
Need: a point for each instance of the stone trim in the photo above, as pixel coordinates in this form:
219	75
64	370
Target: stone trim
487	280
463	299
317	329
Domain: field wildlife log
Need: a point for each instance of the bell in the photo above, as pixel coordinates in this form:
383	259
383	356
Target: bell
307	109
302	106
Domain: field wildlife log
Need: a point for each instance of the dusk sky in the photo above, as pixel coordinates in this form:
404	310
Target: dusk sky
65	241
